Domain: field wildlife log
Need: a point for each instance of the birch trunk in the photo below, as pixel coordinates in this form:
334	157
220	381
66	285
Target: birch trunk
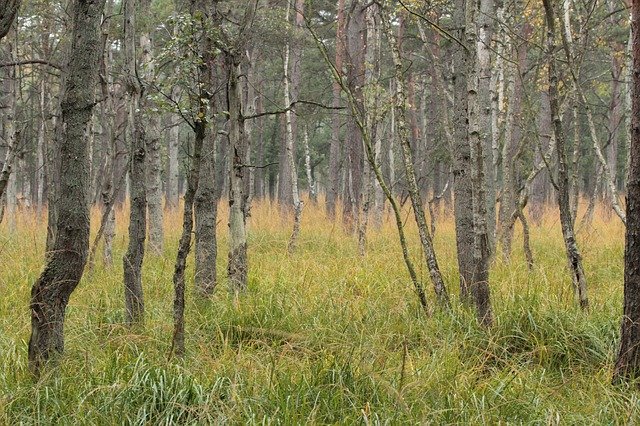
289	123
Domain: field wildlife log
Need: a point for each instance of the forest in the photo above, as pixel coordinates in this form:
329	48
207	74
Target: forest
319	212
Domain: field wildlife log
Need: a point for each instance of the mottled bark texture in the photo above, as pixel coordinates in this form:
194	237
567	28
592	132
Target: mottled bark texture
463	201
566	221
8	96
63	270
206	202
134	256
628	363
202	13
8	12
184	246
237	266
479	286
291	89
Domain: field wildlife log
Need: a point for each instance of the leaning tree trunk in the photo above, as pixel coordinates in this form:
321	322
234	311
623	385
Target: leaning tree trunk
627	365
414	192
133	258
50	293
566	221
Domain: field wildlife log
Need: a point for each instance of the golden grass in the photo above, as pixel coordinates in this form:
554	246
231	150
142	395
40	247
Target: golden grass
324	335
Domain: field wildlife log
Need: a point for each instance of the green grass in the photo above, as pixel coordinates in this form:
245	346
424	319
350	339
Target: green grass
324	336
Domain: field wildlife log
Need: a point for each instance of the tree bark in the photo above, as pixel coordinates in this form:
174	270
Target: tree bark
63	270
133	258
463	201
334	148
573	254
295	55
8	12
414	192
153	159
627	366
237	266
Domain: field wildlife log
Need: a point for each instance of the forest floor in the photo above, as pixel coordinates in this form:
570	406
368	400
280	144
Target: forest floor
324	335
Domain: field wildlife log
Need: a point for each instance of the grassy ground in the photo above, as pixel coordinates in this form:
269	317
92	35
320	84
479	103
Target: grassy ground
324	336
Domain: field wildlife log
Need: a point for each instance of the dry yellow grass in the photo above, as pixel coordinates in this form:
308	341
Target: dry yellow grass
324	335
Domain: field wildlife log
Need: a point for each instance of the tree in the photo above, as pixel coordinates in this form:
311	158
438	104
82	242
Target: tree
133	258
63	270
566	221
8	12
627	365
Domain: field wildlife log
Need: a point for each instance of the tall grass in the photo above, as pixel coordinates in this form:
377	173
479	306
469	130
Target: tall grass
323	335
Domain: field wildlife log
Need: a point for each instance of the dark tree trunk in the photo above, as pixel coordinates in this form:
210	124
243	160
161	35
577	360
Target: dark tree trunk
463	201
50	293
628	363
133	258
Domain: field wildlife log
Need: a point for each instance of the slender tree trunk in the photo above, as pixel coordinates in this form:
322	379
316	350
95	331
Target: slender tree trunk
485	123
335	151
627	366
537	199
136	133
355	51
573	254
414	192
65	264
173	172
237	267
153	159
311	183
289	123
184	246
463	201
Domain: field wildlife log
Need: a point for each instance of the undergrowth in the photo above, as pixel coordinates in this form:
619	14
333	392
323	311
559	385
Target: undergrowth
324	336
